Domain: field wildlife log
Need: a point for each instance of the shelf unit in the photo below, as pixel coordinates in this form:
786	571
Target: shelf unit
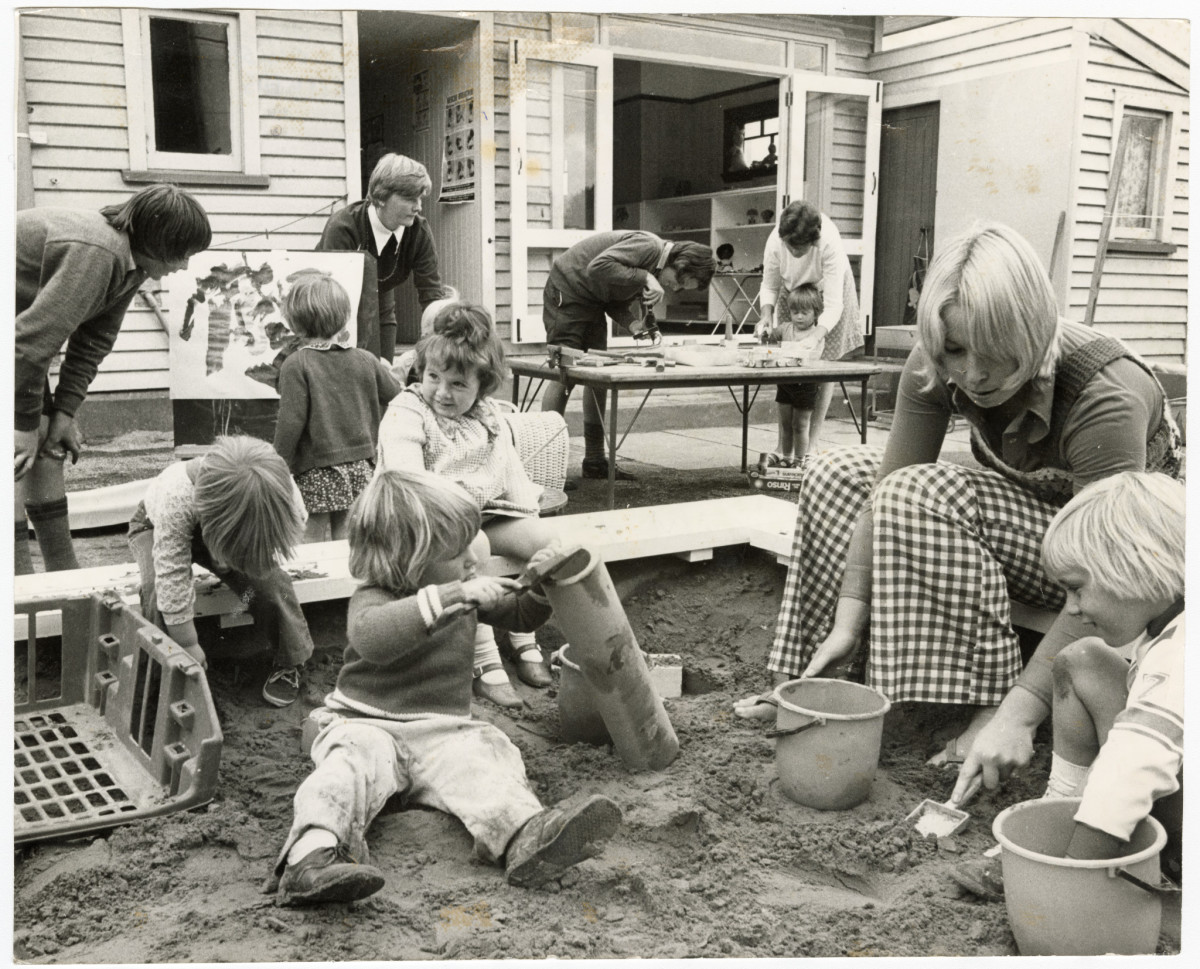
715	218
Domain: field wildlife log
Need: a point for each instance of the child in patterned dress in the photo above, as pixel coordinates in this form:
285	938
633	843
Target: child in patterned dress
331	399
237	513
449	425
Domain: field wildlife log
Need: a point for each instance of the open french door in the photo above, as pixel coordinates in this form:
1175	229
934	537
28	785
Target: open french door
829	155
560	164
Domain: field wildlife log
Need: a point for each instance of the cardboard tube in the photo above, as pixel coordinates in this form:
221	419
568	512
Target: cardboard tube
591	617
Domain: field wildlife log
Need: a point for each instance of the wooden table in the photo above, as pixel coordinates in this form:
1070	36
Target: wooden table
613	379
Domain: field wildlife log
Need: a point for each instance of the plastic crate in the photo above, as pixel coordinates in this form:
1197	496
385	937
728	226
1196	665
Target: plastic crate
116	723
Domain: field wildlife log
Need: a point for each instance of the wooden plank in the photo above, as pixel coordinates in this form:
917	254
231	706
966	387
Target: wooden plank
320	570
79	96
92	50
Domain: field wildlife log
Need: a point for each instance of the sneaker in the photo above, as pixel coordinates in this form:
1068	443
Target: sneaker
551	842
282	686
982	877
598	468
327	875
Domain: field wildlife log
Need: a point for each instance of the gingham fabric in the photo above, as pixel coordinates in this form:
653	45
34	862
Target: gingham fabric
951	546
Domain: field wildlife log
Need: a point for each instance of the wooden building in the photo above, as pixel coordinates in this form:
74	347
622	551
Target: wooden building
570	123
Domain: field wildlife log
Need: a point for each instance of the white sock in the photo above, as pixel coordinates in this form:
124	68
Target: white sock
523	643
310	841
486	651
1066	779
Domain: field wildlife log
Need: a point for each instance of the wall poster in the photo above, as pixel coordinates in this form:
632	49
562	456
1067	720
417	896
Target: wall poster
459	149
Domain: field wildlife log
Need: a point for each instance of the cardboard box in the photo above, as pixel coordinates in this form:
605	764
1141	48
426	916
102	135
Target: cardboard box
773	482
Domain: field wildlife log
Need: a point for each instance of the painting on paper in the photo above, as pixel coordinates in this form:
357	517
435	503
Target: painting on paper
228	334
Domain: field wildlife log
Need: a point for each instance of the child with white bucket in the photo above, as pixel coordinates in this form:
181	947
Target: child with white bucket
1117	549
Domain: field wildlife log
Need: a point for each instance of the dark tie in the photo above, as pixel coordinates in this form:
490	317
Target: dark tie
387	258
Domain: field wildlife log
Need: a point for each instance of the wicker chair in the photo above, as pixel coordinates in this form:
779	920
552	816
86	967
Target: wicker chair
542	444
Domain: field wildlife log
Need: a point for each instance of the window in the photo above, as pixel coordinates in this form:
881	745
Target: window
193	105
751	133
1142	211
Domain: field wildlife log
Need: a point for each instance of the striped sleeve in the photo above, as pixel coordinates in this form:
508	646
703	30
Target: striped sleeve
1143	755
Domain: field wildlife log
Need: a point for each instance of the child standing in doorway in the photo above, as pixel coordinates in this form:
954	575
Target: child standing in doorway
449	424
399	719
331	399
795	403
237	513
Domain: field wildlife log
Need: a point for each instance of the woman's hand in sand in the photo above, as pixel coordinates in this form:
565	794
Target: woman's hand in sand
486	591
1002	744
837	648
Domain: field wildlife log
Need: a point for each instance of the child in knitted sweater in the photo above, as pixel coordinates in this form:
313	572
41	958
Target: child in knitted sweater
331	399
450	425
399	719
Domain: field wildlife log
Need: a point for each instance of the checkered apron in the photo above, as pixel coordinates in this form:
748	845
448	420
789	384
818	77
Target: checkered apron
951	546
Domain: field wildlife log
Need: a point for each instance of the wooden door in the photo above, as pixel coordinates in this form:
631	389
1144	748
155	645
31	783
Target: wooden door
907	202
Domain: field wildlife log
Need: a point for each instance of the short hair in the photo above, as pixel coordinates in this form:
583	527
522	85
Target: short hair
464	338
316	305
430	314
163	222
804	298
404	522
800	224
992	273
1127	532
247	505
692	260
397	174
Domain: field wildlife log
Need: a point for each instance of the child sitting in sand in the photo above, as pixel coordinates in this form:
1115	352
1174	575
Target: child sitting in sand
1117	549
450	425
399	718
237	513
796	403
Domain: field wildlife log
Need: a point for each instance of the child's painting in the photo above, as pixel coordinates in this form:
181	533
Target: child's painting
228	334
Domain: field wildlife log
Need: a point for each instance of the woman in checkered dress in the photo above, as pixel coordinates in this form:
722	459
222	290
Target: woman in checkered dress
916	560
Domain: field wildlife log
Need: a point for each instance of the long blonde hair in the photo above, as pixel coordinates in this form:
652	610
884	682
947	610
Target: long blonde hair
992	273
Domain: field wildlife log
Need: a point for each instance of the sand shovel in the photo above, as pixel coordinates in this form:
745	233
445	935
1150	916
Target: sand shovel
940	820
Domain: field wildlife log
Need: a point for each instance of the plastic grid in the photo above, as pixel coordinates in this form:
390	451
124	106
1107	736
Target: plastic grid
124	729
57	775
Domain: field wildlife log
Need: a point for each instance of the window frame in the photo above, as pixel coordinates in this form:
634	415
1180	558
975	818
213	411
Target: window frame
1158	238
147	164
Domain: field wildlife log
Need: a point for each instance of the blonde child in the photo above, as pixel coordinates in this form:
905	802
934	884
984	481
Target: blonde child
449	425
399	719
1117	550
237	513
796	403
331	399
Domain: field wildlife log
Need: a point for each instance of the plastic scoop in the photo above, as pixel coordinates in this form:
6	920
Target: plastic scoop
940	820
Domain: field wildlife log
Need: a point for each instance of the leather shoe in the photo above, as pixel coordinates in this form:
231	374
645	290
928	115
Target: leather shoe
552	841
533	672
327	875
501	694
598	468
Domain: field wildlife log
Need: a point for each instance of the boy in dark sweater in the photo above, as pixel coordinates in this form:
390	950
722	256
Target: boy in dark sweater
399	718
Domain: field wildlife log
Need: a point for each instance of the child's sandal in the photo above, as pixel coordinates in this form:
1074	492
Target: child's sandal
502	694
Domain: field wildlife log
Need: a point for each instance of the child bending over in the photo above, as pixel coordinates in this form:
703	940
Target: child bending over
1117	549
331	399
796	403
399	718
237	513
449	425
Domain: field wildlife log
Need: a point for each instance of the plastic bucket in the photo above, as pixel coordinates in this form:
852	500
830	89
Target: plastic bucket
1063	907
579	719
827	737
